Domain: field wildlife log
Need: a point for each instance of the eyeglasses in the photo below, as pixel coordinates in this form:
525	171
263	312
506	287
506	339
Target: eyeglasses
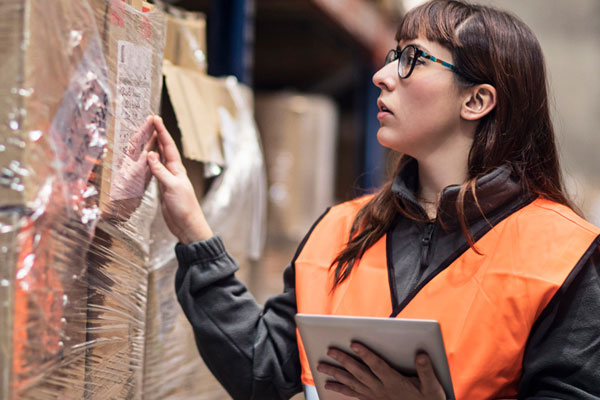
409	56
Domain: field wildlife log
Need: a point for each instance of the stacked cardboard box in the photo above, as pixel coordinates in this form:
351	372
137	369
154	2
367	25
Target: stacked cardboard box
118	260
86	291
77	80
53	101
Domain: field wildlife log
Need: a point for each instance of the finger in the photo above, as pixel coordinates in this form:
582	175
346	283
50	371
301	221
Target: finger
170	151
343	377
360	371
429	381
163	175
175	167
151	144
147	127
379	367
161	151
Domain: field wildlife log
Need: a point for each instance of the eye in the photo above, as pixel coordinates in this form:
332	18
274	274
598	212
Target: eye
419	61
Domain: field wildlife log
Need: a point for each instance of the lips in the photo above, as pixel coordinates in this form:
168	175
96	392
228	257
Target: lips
382	107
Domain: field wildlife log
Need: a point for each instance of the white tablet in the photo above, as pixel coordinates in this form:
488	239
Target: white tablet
396	340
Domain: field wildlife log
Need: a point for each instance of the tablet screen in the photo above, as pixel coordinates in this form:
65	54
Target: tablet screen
394	339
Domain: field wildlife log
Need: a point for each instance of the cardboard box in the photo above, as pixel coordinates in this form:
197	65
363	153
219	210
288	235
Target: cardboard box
7	274
299	135
173	368
186	39
116	309
196	99
53	98
70	334
44	288
132	43
54	101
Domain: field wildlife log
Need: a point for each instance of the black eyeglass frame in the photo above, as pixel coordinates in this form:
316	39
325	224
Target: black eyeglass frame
396	54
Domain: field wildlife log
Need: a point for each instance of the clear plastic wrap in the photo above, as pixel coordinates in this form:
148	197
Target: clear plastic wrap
54	106
216	122
118	260
77	81
235	205
86	283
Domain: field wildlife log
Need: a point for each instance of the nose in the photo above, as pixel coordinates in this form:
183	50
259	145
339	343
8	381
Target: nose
387	76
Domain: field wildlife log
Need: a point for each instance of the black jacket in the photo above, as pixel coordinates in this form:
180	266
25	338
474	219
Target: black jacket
252	351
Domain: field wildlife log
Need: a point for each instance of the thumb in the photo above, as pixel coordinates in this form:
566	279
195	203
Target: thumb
429	381
158	169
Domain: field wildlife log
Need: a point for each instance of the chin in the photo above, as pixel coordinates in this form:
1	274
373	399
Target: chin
384	139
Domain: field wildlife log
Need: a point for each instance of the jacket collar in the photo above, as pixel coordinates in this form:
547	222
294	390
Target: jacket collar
494	190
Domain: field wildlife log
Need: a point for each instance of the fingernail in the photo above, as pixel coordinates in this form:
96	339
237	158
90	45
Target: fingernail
422	360
152	156
355	348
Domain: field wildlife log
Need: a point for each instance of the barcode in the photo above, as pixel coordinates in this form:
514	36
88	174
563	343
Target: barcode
122	54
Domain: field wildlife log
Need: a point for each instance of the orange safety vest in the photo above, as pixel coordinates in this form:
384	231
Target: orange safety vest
486	304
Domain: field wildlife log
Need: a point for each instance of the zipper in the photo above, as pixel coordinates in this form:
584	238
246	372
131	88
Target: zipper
426	244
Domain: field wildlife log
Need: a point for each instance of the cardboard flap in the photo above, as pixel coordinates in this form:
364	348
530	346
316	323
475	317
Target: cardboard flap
196	99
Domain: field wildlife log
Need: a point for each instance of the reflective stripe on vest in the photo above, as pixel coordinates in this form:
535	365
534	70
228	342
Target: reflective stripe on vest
486	304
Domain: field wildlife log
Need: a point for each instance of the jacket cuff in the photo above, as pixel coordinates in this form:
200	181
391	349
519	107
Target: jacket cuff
200	252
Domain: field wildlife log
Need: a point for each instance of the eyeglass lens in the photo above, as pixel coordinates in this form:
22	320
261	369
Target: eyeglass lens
391	56
406	61
407	56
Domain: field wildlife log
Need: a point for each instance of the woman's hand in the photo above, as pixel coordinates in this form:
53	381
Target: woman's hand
180	207
375	379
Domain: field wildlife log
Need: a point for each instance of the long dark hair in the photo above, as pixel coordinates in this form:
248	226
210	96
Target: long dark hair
488	46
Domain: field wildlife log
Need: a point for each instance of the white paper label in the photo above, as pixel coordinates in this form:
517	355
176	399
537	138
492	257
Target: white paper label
134	80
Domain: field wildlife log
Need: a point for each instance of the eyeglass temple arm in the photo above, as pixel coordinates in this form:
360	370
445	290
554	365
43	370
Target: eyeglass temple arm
437	60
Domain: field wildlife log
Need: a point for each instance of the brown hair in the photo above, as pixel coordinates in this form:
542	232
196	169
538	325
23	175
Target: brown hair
488	46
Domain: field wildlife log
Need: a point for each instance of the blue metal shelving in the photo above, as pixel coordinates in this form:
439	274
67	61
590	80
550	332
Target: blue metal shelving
231	39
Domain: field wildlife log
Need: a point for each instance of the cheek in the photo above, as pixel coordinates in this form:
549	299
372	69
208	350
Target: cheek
426	96
427	109
430	104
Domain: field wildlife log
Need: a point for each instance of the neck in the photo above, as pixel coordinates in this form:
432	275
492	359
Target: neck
437	173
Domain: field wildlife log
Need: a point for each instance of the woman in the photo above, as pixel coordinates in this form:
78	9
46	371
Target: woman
475	230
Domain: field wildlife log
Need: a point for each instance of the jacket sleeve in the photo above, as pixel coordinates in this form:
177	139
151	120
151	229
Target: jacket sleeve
562	358
251	351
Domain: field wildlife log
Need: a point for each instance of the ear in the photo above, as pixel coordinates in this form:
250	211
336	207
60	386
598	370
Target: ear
479	101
